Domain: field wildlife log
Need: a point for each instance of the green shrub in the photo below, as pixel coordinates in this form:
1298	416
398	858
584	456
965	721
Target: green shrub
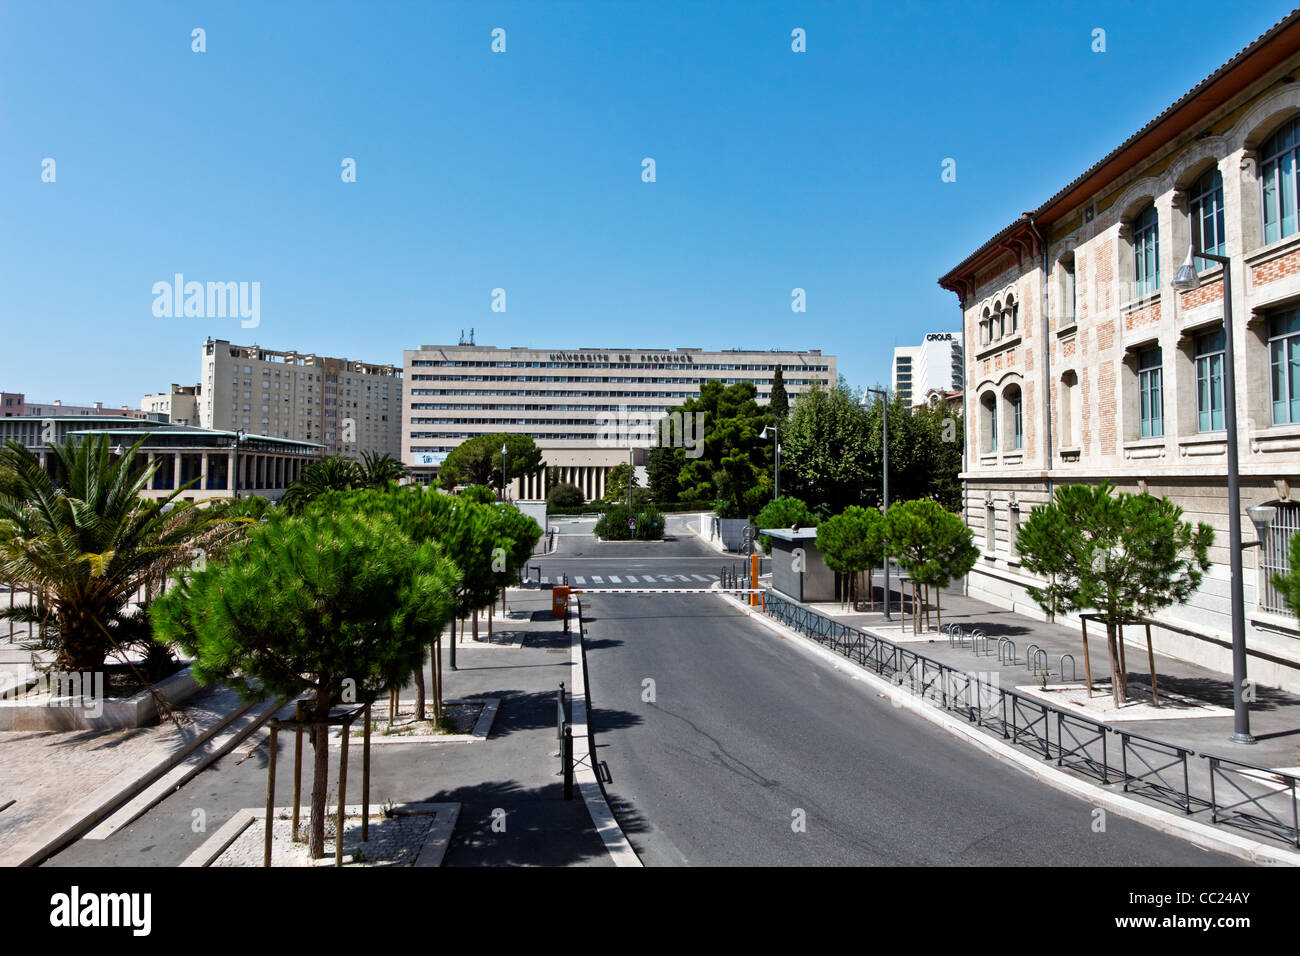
613	524
565	495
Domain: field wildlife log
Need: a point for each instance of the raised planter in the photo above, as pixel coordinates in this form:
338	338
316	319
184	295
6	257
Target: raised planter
94	712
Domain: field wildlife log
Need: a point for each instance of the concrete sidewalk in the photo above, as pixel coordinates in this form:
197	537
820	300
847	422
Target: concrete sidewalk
1275	714
513	811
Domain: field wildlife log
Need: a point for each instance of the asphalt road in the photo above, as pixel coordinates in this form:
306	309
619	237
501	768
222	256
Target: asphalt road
752	752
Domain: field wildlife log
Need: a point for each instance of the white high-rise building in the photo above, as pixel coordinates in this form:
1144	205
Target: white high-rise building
934	366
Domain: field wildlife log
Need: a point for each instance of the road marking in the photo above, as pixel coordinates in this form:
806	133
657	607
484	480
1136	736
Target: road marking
597	579
579	580
613	579
700	577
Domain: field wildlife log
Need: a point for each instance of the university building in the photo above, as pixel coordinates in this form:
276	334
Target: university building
1084	365
588	409
346	406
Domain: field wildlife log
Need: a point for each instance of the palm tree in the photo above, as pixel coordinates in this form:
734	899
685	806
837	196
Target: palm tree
83	540
378	470
330	474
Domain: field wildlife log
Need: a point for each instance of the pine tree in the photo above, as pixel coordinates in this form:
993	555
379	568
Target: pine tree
316	604
779	402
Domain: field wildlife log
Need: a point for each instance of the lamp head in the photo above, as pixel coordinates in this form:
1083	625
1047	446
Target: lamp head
1261	516
1186	280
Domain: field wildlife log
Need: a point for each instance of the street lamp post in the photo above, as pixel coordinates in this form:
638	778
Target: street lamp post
503	471
776	447
884	445
1185	281
239	437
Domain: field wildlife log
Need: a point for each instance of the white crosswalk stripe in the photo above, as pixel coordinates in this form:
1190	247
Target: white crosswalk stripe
649	578
613	579
577	580
700	577
597	579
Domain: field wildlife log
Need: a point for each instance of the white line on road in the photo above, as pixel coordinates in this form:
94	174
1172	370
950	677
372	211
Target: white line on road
613	579
578	579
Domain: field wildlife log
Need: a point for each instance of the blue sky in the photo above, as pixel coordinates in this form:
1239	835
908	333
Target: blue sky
522	170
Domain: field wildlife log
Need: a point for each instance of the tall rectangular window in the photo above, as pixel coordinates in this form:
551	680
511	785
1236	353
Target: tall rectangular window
1205	210
1152	414
1070	294
1209	382
1146	252
1278	181
1284	365
990	532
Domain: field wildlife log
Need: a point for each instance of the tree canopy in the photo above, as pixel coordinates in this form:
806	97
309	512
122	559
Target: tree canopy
477	461
338	605
1122	556
783	512
931	543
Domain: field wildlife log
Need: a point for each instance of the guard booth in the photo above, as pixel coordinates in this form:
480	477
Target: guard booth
559	601
798	570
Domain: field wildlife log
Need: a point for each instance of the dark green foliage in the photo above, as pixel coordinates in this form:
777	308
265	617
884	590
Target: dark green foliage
784	512
376	470
565	495
335	473
477	461
1123	556
1288	583
931	543
337	605
779	403
612	525
852	540
826	449
86	542
734	465
481	494
661	474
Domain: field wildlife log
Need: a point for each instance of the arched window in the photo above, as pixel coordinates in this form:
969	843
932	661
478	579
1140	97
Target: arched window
1015	418
1277	177
989	425
1010	317
986	331
1205	212
1146	251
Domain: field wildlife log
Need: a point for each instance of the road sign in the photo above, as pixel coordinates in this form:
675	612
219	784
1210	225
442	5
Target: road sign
631	524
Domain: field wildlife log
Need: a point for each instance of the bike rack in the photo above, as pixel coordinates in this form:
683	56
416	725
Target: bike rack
976	637
1040	655
1029	656
1006	650
1074	673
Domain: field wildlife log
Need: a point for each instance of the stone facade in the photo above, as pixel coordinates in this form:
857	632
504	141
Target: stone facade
1064	324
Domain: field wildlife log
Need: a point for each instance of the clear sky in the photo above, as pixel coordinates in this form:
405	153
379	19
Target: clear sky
522	170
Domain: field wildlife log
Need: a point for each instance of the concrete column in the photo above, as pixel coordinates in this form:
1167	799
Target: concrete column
148	461
203	471
176	469
230	471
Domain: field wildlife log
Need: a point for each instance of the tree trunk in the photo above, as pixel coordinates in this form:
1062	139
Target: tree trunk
1116	683
320	744
489	633
938	610
474	634
419	689
871	590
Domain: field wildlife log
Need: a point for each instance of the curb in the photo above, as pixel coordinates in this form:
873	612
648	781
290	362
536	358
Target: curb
584	771
1200	834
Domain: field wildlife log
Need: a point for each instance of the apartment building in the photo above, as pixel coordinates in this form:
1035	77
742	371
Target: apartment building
934	366
588	409
346	406
1085	365
180	404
